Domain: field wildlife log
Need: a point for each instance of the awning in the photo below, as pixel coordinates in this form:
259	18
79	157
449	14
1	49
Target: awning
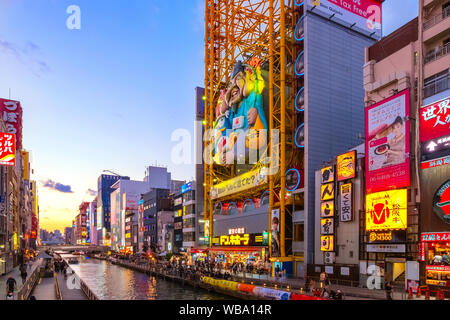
236	249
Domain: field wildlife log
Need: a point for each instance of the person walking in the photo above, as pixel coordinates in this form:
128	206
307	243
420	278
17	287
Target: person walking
10	287
389	289
23	275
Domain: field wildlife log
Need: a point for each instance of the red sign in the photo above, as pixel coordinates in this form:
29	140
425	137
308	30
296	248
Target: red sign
7	149
435	120
438	268
11	113
435	163
436	237
387	144
441	202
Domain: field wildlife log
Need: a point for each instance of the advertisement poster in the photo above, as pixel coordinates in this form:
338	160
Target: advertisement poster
275	233
11	113
346	166
387	144
7	149
387	210
362	14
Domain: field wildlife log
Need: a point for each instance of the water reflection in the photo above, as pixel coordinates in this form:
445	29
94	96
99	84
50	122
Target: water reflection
111	282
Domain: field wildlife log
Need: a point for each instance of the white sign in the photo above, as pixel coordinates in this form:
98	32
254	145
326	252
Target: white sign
329	269
361	15
345	271
400	248
346	203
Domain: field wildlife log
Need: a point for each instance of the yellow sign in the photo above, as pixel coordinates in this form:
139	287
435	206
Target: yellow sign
327	175
327	209
387	210
26	172
327	243
235	240
346	164
327	192
383	236
244	182
15	241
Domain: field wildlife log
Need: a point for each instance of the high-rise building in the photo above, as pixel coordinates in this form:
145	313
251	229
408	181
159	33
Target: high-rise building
154	201
124	192
93	232
158	177
104	207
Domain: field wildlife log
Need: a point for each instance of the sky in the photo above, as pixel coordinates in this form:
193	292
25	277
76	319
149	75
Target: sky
109	95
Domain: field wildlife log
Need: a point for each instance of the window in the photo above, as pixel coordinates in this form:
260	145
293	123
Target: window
299	232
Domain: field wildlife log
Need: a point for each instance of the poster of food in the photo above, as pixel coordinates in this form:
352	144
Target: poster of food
387	144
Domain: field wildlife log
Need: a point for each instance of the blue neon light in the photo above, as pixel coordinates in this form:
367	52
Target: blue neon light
235	206
296	133
251	201
296	107
295	31
299	4
295	68
299	178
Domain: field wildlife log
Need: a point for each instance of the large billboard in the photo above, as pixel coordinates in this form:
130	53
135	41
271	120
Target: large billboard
435	134
364	15
387	210
11	113
387	144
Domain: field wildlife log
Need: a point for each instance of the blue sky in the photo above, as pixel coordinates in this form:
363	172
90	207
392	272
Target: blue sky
110	95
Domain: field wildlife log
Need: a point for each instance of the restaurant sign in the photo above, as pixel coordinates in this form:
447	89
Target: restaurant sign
441	202
255	239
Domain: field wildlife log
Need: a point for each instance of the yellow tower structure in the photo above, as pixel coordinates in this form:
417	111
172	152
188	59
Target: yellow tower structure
240	30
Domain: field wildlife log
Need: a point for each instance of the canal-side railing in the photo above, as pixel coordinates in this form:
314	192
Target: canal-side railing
87	291
30	283
57	288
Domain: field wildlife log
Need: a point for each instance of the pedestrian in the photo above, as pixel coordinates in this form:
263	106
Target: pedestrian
10	285
307	284
24	275
389	288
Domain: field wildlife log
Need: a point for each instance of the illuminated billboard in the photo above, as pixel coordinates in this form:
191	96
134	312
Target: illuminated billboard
11	112
387	144
441	202
327	243
241	183
346	166
387	210
435	120
8	149
364	15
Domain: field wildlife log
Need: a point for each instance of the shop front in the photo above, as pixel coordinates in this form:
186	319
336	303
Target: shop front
196	255
240	247
435	253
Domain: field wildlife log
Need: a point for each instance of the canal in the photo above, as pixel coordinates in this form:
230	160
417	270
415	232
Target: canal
112	282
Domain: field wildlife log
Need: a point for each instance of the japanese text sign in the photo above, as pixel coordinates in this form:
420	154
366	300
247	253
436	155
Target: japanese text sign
346	203
11	113
387	210
435	120
346	166
7	149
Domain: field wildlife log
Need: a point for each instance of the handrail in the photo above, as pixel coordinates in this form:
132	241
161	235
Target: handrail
436	86
30	283
436	19
435	55
57	288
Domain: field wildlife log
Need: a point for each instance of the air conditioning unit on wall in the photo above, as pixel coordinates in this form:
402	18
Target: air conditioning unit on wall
329	257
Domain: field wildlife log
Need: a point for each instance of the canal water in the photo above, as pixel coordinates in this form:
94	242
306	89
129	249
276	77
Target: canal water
112	282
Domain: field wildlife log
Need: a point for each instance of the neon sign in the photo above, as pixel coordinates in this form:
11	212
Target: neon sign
441	202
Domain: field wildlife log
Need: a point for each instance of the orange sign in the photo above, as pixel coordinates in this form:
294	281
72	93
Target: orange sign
387	210
7	149
327	243
346	164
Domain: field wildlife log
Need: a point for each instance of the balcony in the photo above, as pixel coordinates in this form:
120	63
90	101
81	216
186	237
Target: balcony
437	54
436	19
437	86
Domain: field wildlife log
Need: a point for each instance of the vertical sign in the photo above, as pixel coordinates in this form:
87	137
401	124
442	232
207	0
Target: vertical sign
327	198
387	144
8	149
275	234
346	203
11	113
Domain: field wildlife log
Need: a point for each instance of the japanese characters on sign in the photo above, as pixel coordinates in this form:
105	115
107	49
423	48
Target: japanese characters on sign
327	243
387	210
436	237
346	166
327	198
435	163
7	149
256	239
346	203
327	226
11	113
397	236
387	144
241	183
435	120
